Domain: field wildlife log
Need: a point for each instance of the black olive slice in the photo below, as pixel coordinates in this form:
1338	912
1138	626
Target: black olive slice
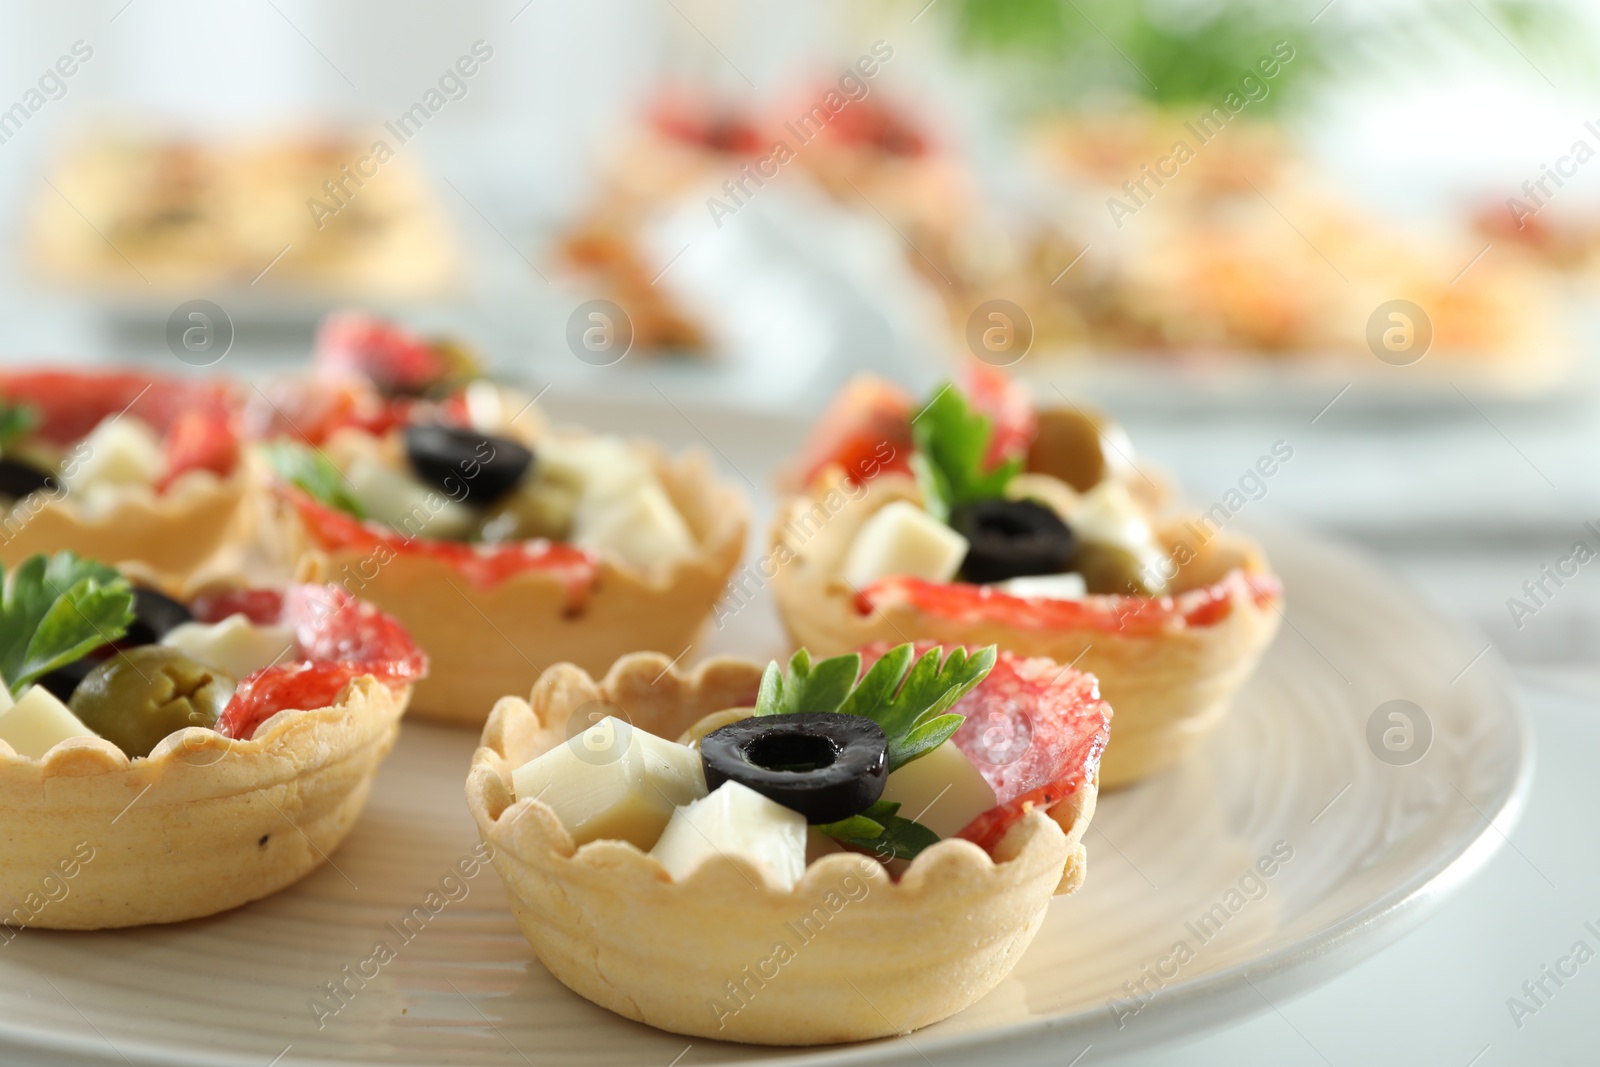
18	479
467	466
154	616
1011	539
824	765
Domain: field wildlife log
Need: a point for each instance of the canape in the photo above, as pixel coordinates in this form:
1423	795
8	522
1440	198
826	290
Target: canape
503	544
976	519
164	758
880	846
119	465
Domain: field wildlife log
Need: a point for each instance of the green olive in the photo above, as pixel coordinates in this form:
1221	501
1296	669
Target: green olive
1111	569
542	509
139	696
1078	446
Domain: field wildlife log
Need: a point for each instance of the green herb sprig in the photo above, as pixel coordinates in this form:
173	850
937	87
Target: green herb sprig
881	831
312	472
910	696
951	461
16	422
55	610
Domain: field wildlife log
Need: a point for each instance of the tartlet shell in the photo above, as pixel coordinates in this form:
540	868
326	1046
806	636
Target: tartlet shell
1169	688
485	642
173	533
201	825
887	957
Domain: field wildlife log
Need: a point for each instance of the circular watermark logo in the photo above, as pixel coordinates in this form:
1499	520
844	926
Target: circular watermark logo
999	332
599	732
204	748
199	332
1004	736
599	332
1399	732
1399	332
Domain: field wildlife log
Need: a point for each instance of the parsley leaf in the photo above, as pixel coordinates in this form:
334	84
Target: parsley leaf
309	470
909	700
55	610
16	422
950	464
881	831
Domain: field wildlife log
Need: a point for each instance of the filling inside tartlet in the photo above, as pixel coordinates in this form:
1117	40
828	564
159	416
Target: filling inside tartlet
86	653
453	477
1035	512
883	752
94	436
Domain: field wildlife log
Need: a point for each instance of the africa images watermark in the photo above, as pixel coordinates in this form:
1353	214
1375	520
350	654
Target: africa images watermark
742	989
338	992
852	87
54	887
1251	887
1252	486
1552	578
452	85
1537	992
56	488
51	85
355	577
801	528
1204	128
1538	190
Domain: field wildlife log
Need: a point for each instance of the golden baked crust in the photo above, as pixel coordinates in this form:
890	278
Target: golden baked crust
1169	685
174	532
483	642
858	957
204	824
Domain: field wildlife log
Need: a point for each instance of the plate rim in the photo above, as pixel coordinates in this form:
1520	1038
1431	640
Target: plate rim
1354	938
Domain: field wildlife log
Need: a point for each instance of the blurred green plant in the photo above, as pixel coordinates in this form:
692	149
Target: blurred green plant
1180	52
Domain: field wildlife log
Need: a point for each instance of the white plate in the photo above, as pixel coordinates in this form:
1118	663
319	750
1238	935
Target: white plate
1375	847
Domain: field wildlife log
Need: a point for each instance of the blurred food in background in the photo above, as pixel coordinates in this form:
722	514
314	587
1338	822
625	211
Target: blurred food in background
334	216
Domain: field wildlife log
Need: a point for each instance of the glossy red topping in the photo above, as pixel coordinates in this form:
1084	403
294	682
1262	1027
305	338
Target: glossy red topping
483	565
367	349
1035	730
337	638
705	125
866	430
871	122
984	604
990	391
196	420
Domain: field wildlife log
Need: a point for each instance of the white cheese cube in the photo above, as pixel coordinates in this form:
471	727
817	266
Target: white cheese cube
1108	515
735	820
942	790
235	645
642	528
396	499
1046	586
601	467
902	539
613	782
122	450
37	722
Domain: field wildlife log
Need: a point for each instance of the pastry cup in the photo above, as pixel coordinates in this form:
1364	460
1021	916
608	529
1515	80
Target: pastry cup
203	824
491	635
1169	666
851	954
173	529
173	532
